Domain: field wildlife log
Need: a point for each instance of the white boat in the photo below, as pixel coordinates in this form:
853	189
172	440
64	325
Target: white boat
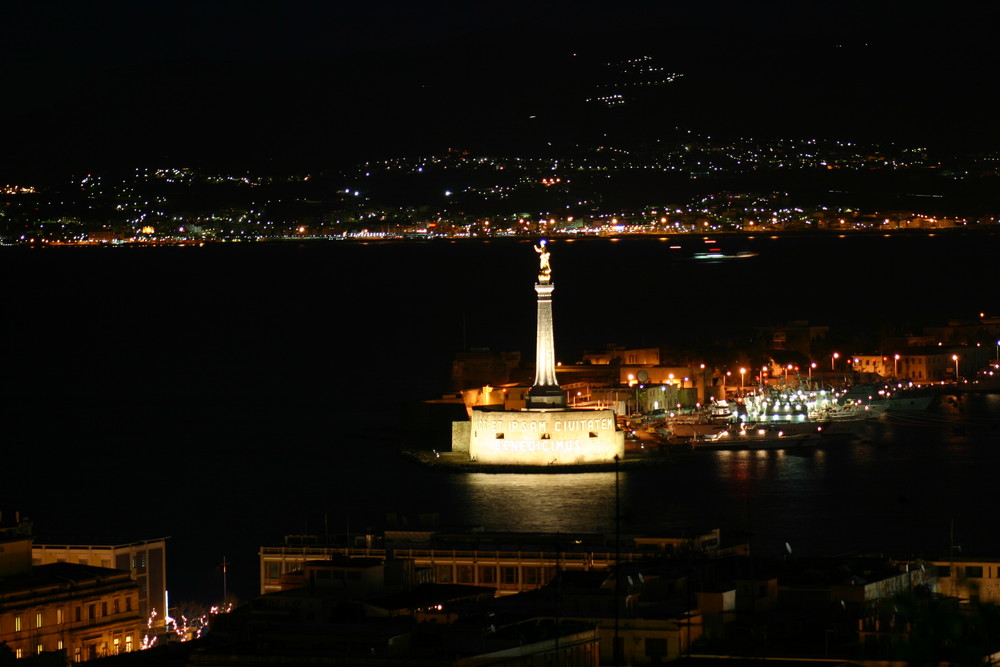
757	438
889	398
805	427
909	400
691	429
851	412
718	256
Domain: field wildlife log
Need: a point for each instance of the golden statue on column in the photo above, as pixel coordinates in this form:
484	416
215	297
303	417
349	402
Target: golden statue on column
544	268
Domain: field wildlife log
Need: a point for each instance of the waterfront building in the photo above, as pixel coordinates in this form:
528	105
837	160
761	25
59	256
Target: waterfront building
510	563
545	431
924	365
622	356
80	611
795	336
482	367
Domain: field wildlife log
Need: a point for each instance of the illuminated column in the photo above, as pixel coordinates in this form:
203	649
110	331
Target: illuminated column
546	392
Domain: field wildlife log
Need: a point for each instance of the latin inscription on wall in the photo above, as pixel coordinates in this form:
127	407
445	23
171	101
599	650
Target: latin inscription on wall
545	438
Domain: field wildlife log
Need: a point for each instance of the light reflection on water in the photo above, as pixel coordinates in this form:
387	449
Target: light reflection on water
541	503
900	488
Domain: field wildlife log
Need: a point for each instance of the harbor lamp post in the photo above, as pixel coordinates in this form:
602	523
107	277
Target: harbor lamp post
895	367
833	361
811	367
743	373
954	358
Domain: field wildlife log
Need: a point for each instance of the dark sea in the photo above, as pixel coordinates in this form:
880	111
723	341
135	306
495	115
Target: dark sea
229	395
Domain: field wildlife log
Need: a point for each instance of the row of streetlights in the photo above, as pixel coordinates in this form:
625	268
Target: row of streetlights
895	362
833	367
743	373
836	355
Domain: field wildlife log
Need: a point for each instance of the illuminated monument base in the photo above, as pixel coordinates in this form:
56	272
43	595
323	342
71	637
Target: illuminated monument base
544	437
546	398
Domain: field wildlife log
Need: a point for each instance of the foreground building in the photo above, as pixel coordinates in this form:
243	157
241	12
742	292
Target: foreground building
352	611
145	559
508	562
81	611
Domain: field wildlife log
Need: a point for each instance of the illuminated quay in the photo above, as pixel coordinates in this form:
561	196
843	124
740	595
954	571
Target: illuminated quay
546	432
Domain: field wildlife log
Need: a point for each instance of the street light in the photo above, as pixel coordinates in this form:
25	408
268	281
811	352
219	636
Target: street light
954	358
743	373
833	361
895	367
811	367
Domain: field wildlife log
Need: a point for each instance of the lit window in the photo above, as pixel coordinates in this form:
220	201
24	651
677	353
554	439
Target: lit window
17	624
38	620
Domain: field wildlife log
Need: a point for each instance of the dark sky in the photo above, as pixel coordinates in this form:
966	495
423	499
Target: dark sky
87	77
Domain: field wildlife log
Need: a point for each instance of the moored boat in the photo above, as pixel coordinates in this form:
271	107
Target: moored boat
691	429
909	400
888	398
757	438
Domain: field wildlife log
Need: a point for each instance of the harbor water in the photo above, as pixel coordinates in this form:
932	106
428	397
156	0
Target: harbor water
230	395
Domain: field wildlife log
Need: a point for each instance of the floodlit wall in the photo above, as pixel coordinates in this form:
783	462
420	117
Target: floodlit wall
461	433
557	437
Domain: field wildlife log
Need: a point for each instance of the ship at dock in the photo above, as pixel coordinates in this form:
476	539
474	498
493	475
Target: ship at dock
759	437
769	418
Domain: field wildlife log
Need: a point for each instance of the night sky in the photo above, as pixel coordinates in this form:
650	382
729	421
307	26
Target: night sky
250	83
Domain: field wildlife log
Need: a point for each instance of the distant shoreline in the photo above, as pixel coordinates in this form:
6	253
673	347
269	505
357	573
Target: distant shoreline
556	236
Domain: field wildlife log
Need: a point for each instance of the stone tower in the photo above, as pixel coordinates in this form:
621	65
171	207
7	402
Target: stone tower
545	394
